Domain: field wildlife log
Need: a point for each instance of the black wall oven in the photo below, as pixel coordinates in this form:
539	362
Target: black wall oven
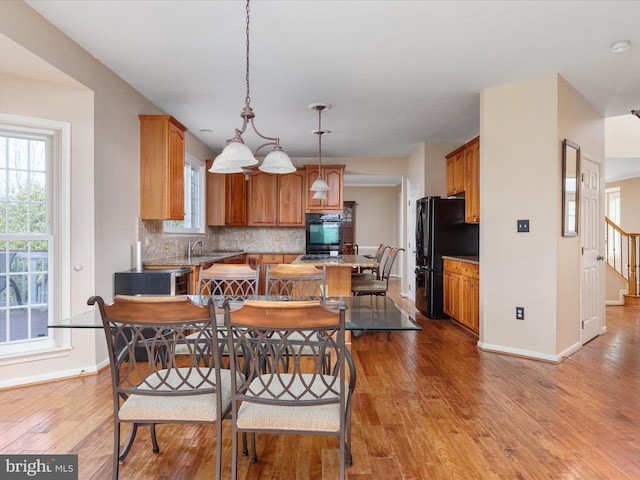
323	233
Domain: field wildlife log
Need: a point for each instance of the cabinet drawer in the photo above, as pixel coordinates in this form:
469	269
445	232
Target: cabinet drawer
452	266
471	270
273	258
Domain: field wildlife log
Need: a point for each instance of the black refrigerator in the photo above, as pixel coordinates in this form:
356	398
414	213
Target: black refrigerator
440	230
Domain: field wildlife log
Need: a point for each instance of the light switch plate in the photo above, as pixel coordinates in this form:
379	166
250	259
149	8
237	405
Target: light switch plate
523	225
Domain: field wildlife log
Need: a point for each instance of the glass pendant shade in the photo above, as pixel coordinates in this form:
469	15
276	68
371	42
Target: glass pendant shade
277	162
320	195
319	186
233	157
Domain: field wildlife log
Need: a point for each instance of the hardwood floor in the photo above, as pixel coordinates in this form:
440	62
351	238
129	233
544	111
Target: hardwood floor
428	405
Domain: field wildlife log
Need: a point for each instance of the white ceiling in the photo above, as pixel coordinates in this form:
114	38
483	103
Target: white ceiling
397	72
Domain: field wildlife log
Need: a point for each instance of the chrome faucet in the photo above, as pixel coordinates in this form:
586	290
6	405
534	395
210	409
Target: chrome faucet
192	247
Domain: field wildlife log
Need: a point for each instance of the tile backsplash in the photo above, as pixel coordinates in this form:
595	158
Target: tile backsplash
156	244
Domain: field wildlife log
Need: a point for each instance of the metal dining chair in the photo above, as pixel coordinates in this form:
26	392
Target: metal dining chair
276	388
165	387
377	258
296	281
367	285
234	280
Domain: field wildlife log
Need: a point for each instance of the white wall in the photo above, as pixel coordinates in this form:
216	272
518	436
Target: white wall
376	216
103	110
629	201
521	127
581	123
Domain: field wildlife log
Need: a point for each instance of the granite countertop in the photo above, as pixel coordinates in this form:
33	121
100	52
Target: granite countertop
344	261
464	258
184	261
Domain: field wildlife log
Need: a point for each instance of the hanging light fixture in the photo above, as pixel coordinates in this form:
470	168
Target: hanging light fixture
236	157
319	186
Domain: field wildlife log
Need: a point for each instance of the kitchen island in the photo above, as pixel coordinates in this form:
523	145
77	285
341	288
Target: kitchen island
339	271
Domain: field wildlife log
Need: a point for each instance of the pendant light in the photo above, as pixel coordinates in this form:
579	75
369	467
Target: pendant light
236	157
320	187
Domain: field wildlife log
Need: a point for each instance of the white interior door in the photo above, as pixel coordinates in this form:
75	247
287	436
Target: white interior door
591	284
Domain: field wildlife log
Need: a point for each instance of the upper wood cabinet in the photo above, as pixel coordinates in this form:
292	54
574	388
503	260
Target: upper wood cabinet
265	199
235	208
472	181
455	171
463	176
291	199
161	168
276	200
334	176
226	199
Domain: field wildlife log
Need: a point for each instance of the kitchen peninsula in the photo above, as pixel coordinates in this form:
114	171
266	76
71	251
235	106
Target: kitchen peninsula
339	271
338	268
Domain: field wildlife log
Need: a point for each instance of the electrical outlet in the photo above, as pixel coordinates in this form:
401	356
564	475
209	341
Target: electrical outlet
523	225
519	313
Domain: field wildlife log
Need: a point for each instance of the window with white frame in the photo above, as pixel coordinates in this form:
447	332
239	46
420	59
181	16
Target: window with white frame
27	193
194	199
612	200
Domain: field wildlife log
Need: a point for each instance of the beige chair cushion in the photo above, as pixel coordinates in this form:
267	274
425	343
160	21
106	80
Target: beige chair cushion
259	416
176	408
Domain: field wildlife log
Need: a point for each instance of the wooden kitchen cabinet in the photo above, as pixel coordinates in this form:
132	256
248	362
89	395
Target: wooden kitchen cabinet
472	181
161	168
263	199
235	208
276	200
451	288
470	302
463	176
451	301
226	199
334	176
455	171
291	198
255	259
461	292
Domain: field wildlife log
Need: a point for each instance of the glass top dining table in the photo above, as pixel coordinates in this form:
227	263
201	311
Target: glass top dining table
362	313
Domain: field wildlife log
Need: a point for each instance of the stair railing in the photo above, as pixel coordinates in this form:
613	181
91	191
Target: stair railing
622	254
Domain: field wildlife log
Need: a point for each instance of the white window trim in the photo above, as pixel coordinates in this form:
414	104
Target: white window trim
60	260
198	165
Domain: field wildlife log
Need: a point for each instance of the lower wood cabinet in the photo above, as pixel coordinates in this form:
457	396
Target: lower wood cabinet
263	259
462	292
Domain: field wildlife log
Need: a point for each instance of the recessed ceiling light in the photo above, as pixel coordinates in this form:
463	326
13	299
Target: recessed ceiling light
620	47
206	130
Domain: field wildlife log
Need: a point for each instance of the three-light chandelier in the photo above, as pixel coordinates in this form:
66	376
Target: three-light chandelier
236	157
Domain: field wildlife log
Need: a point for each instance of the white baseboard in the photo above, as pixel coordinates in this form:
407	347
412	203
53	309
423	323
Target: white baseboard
53	376
620	300
528	353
